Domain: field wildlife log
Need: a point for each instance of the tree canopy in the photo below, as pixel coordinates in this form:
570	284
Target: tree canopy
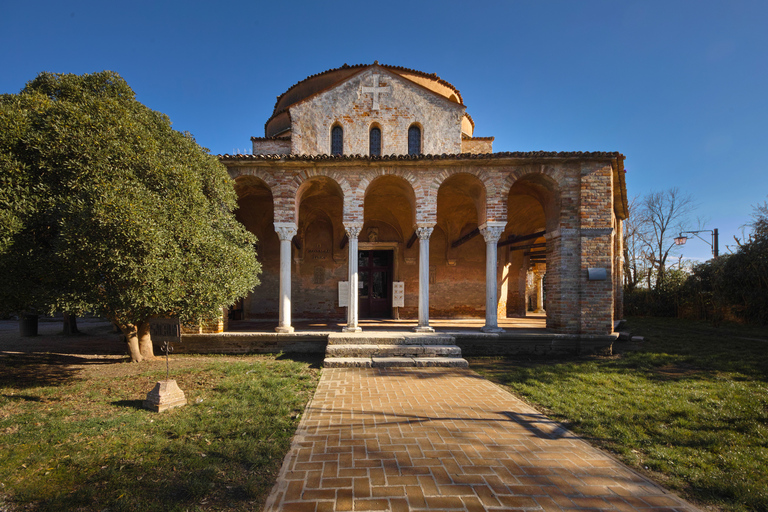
105	208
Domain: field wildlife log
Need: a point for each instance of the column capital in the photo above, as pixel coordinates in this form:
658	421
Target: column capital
285	230
492	231
424	232
353	230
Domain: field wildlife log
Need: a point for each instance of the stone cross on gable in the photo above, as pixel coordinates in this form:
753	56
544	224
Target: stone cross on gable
376	90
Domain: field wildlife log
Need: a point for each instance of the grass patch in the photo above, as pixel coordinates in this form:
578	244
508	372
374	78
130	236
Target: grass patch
689	406
73	435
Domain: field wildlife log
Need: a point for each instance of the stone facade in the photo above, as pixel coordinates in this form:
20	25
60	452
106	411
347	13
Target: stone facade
477	145
559	214
271	146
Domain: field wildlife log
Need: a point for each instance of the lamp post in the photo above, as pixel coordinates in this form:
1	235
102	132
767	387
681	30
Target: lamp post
680	239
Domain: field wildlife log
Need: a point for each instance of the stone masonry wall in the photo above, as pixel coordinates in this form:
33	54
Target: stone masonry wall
477	146
352	109
281	146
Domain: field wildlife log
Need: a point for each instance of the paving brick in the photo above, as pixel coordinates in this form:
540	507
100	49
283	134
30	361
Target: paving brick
372	504
444	502
430	438
415	497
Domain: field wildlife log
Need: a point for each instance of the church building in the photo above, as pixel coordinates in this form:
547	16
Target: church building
371	197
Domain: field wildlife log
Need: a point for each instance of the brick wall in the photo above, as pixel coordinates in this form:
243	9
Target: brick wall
576	198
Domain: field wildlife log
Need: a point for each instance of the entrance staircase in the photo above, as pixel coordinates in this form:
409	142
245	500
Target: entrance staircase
390	350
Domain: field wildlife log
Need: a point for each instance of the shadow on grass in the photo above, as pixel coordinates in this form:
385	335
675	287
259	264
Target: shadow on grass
26	398
28	370
189	480
131	404
315	361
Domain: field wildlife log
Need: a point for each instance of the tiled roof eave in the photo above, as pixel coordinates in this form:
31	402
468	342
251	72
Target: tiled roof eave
512	155
270	138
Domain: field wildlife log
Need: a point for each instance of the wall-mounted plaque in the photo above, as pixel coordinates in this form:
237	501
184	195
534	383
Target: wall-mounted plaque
343	294
398	294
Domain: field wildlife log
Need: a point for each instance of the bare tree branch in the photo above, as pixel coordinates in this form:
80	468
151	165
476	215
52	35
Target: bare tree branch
660	217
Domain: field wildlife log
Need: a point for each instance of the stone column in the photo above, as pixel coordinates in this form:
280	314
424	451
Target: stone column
353	232
424	233
491	232
286	231
538	280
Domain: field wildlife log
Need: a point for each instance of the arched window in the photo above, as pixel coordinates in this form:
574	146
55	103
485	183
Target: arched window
374	142
337	140
414	140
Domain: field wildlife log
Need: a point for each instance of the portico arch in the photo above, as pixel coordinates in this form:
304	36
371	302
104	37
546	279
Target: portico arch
389	218
256	212
318	256
461	210
533	207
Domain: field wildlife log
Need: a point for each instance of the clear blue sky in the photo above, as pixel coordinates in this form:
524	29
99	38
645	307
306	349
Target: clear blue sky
679	87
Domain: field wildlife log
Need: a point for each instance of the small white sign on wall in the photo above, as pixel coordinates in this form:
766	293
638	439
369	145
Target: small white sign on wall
343	294
398	294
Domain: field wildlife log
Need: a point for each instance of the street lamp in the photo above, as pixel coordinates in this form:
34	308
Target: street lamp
680	239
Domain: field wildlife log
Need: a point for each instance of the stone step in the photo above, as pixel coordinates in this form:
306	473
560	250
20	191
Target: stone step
390	338
366	350
394	362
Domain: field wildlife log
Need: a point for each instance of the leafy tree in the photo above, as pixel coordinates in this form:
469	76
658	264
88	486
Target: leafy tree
735	284
105	208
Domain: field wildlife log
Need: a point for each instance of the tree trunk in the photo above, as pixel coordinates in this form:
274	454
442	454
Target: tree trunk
132	339
145	341
70	324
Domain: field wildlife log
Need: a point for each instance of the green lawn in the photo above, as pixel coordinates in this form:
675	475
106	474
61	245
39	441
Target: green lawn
73	435
689	407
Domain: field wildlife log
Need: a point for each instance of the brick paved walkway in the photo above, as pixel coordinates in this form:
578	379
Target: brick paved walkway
445	439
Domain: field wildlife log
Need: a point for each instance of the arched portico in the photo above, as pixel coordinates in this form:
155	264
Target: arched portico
256	212
385	256
533	206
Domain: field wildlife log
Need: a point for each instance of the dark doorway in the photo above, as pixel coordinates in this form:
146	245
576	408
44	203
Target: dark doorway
375	274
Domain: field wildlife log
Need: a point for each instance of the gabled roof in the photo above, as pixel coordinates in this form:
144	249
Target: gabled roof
327	78
319	82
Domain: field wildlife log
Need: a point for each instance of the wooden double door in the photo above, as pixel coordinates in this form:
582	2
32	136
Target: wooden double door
375	269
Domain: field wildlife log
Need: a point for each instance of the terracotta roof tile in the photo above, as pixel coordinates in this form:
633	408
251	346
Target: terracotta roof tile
270	138
582	155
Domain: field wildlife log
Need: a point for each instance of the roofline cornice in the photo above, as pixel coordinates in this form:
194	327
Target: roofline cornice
517	156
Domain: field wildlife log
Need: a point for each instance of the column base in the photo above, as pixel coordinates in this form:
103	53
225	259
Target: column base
539	311
351	329
487	328
423	329
284	330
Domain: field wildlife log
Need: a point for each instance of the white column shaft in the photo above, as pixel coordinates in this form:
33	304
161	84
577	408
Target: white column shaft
491	232
285	231
491	296
353	277
424	234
